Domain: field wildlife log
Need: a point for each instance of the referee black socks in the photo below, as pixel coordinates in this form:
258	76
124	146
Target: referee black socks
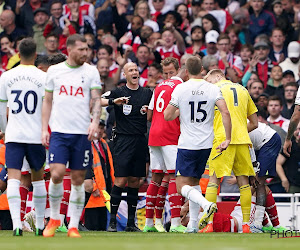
116	197
132	198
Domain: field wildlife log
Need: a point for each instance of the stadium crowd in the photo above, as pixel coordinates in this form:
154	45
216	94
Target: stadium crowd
254	43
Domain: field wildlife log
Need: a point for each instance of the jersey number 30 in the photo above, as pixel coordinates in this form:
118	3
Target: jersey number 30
199	110
20	104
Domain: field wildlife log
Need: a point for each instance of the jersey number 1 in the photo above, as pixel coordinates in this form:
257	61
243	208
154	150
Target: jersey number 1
199	110
235	97
20	104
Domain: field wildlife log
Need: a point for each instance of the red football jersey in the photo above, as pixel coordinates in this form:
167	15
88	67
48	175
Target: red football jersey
164	132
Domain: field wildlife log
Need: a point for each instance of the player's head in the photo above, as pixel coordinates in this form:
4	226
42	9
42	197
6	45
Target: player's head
57	58
77	48
42	63
183	73
170	67
27	49
214	76
131	73
194	67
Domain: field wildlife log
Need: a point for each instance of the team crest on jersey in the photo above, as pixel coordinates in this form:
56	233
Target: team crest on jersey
127	109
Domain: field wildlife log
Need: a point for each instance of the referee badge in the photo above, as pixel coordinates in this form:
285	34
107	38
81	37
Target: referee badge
127	109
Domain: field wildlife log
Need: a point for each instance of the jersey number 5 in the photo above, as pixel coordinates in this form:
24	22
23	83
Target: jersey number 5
199	110
20	104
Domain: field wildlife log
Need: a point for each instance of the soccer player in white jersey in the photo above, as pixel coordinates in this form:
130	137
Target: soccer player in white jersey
23	88
194	102
70	87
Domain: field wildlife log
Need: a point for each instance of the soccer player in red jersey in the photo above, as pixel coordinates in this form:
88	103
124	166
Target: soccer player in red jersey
163	140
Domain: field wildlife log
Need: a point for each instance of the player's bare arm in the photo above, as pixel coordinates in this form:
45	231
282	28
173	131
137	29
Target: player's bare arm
171	113
46	112
226	122
292	127
96	113
253	122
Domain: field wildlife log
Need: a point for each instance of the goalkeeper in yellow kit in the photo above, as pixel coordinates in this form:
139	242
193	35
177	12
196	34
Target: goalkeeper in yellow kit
236	157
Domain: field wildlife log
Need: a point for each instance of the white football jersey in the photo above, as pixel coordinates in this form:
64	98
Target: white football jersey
23	87
196	100
261	135
71	88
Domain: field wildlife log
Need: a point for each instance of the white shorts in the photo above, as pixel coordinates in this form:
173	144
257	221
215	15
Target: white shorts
163	159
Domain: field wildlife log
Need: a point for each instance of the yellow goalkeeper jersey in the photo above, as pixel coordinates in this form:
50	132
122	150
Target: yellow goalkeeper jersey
240	106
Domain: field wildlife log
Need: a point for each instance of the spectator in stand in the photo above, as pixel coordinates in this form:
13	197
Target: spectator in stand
274	109
288	76
7	49
142	9
233	32
146	32
241	20
246	55
109	39
282	19
262	103
24	13
106	52
85	9
108	83
157	15
290	177
69	29
41	17
290	92
15	60
51	44
166	46
78	15
183	10
184	58
211	38
274	85
7	23
261	21
264	65
56	11
255	90
210	62
195	9
209	22
287	6
154	75
143	55
292	62
278	51
198	43
103	13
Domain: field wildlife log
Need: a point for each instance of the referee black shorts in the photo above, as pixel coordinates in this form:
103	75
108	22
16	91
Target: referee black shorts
130	152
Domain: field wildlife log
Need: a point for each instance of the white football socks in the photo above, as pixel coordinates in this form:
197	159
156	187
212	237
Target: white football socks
56	192
76	204
259	215
194	195
194	209
14	201
149	222
39	202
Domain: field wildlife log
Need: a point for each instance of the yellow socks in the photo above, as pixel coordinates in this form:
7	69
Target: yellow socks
211	195
245	192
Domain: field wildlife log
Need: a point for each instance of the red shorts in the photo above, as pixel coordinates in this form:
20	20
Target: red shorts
222	222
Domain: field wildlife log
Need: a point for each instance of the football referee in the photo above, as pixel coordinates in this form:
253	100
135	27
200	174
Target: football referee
130	144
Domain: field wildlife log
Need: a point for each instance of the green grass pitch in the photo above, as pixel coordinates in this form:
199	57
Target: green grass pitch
144	241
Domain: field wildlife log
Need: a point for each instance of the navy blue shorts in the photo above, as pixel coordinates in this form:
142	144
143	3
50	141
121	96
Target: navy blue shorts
72	148
15	152
267	156
191	163
3	175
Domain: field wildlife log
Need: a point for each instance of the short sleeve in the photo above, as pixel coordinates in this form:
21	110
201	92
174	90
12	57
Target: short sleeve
3	95
49	86
151	104
111	94
175	97
95	81
218	94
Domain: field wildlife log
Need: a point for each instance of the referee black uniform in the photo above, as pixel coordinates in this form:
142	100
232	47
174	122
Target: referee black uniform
130	147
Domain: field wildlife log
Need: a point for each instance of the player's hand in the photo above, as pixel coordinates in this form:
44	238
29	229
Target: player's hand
184	210
45	138
223	146
232	180
121	100
285	184
96	193
144	109
253	181
93	131
287	147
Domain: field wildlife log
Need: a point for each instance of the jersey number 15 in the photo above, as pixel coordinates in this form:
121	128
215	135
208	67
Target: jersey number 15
199	110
